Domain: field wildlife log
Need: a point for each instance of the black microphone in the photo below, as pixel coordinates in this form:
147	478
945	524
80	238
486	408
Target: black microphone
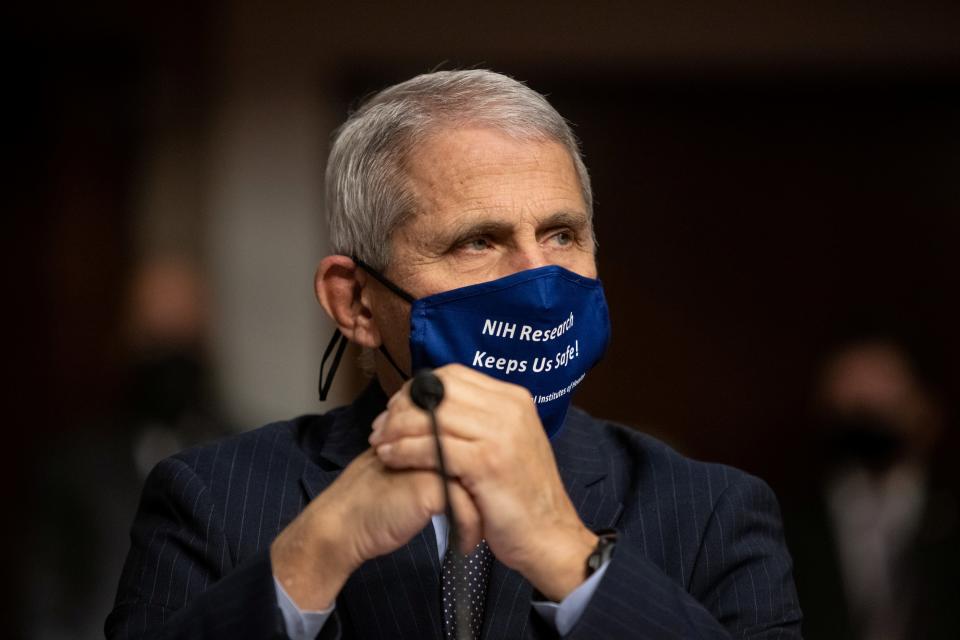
426	390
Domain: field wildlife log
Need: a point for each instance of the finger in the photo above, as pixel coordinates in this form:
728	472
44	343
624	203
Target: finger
486	397
456	388
456	391
474	407
378	423
464	375
468	419
420	452
401	399
401	423
455	378
467	517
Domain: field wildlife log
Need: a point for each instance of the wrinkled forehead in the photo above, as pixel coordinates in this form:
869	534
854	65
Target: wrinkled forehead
482	168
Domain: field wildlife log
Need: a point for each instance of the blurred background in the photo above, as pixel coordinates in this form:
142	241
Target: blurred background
777	207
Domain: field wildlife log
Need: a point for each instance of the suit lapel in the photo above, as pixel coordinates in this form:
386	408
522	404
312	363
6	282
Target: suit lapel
397	595
588	473
507	608
393	596
585	472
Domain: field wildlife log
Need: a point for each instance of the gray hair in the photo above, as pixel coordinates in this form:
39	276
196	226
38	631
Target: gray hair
366	192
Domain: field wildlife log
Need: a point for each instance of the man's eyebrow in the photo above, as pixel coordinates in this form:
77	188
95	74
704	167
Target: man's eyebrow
572	219
475	229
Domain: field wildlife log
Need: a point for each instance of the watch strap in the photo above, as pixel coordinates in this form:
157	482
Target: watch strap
606	541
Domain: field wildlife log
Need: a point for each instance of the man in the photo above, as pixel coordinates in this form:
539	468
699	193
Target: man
875	531
461	220
96	470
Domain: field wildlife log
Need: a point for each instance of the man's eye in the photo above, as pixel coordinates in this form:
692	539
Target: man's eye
562	238
476	244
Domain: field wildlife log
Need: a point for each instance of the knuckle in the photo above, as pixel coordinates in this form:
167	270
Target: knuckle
454	371
386	452
521	394
514	412
489	458
428	490
398	423
395	398
445	370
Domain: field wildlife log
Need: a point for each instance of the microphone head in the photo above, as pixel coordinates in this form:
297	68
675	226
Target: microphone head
426	390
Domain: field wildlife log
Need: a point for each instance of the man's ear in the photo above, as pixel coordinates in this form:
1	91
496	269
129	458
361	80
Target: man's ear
338	284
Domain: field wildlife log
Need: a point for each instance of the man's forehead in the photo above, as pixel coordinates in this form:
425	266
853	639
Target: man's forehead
469	140
456	153
483	168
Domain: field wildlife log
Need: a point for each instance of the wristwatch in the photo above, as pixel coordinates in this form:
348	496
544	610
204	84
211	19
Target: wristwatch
607	540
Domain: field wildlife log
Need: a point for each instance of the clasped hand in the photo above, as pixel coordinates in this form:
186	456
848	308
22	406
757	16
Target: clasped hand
504	483
504	488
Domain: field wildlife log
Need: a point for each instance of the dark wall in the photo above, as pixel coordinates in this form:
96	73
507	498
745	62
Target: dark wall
744	222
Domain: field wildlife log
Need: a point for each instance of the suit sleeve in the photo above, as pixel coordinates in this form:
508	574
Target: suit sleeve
741	584
180	580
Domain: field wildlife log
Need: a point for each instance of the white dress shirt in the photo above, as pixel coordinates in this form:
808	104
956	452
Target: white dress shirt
305	625
873	520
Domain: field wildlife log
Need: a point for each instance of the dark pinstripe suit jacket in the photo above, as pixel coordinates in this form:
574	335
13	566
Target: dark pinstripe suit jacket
701	553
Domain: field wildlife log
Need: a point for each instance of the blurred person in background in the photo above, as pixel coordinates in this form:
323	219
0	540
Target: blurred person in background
876	540
91	478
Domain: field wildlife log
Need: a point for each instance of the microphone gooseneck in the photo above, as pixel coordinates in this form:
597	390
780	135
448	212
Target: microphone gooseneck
426	391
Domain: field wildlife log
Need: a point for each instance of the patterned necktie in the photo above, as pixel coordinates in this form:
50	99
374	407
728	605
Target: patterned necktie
470	578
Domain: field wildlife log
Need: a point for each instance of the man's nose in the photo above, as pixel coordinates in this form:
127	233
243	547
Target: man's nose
528	257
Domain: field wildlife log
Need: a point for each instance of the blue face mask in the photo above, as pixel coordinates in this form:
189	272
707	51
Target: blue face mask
542	329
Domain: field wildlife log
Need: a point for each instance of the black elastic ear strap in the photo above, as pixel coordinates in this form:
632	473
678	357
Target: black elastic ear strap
383	280
386	354
340	341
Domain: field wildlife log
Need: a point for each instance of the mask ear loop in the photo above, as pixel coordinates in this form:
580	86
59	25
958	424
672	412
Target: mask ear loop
340	341
401	294
396	367
383	280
